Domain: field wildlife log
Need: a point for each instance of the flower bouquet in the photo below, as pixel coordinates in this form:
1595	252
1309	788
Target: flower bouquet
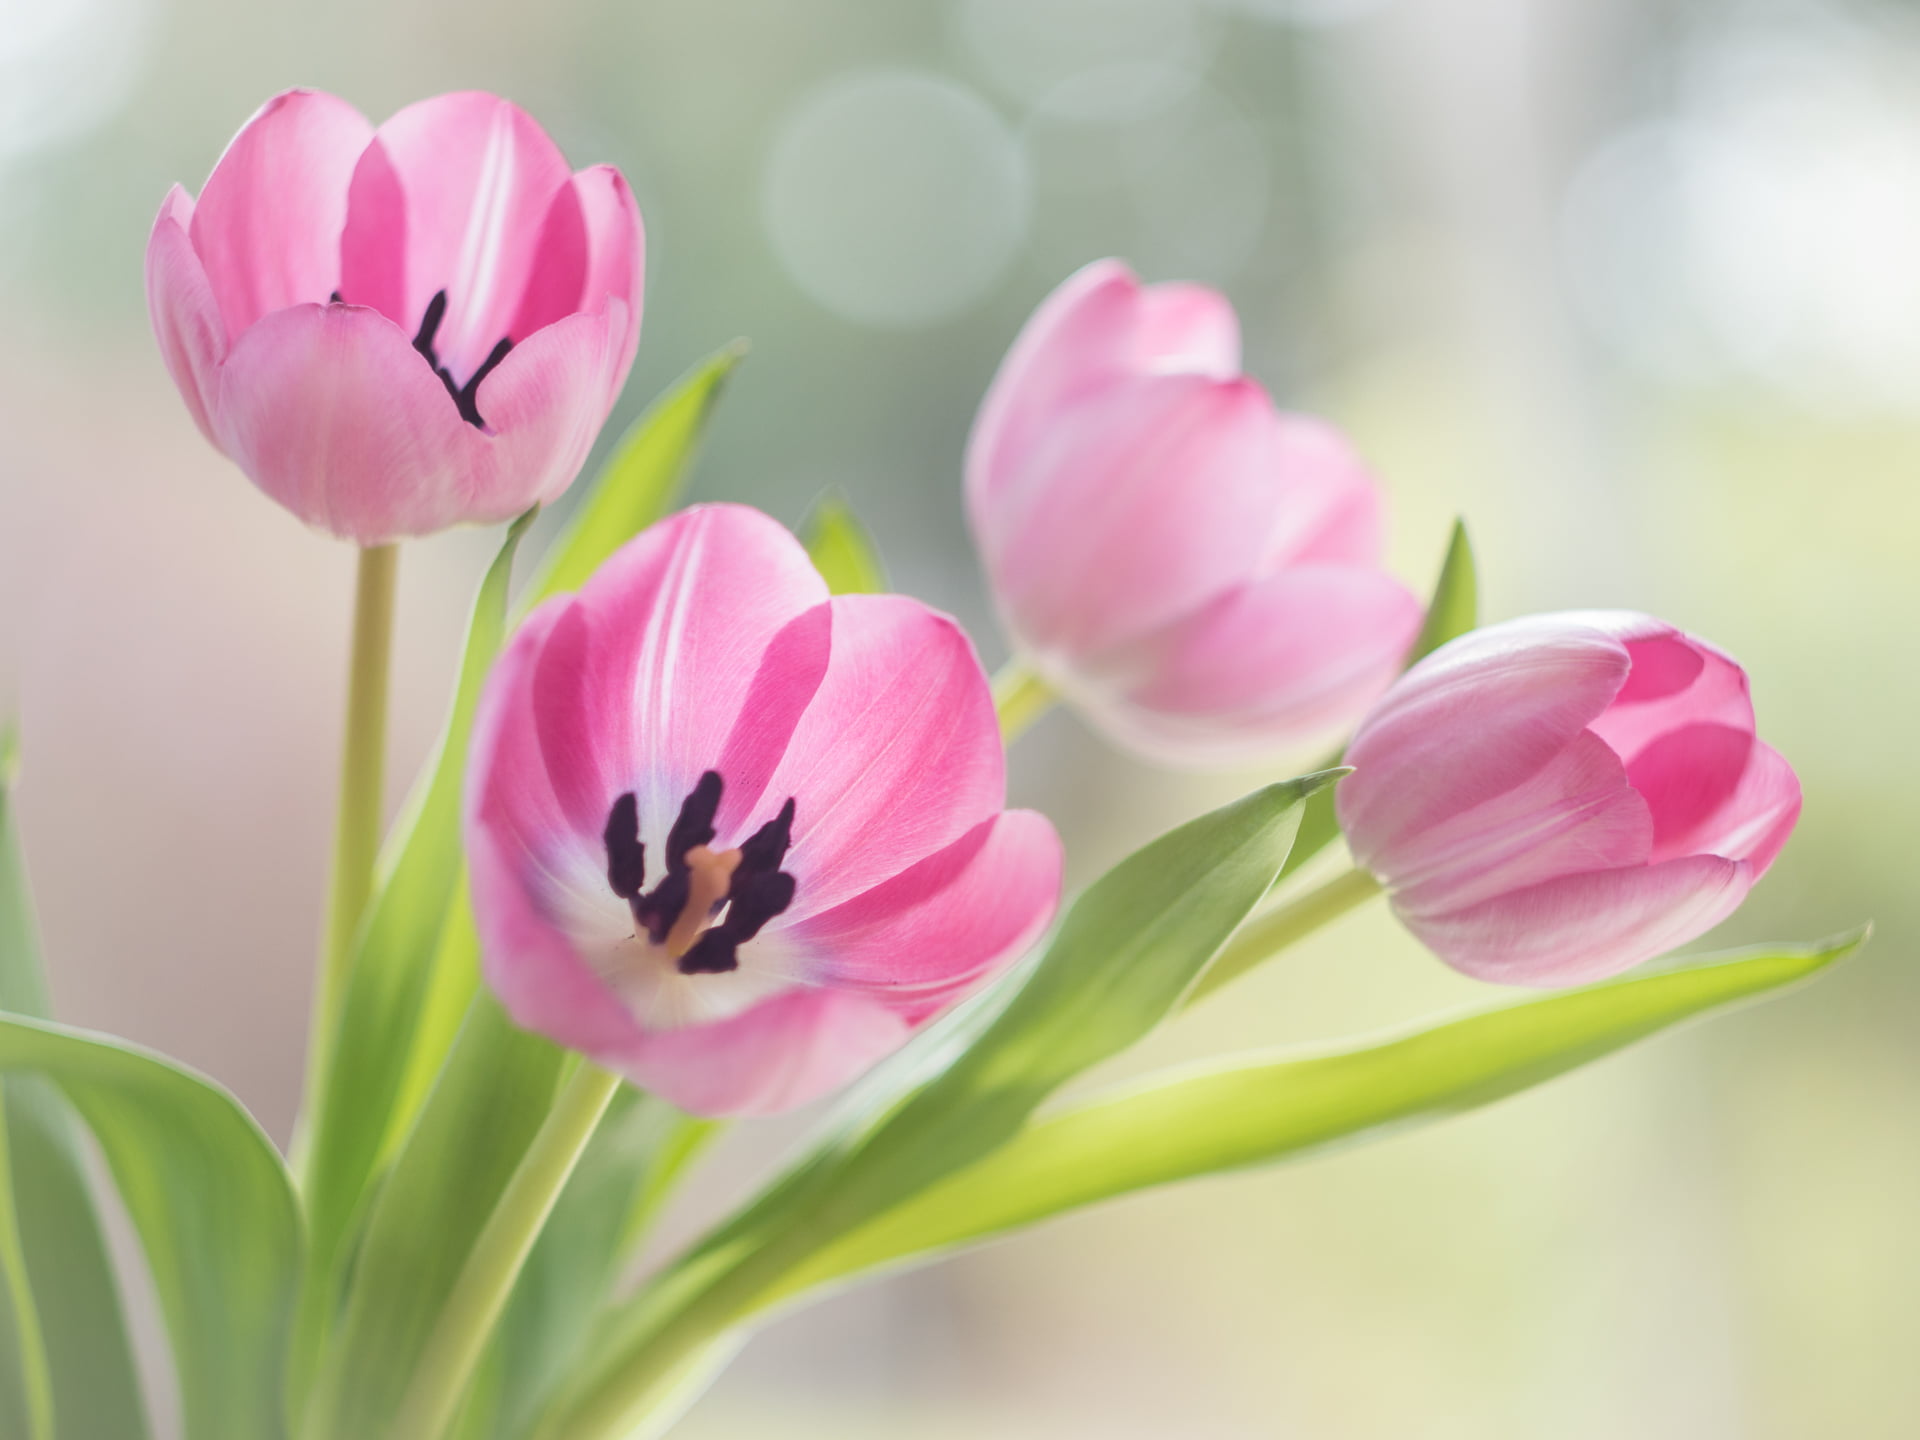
716	827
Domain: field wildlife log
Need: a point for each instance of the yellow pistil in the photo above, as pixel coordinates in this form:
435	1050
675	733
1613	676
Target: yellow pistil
711	874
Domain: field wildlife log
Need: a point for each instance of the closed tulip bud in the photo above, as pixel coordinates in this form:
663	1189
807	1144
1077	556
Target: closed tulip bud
1196	570
1555	799
397	330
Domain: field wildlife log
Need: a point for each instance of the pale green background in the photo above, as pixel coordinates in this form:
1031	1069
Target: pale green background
1635	286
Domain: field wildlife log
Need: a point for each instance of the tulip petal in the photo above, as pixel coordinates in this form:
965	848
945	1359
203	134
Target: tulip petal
1576	813
1185	329
1588	926
781	1053
1068	350
1471	721
1333	513
1269	665
939	927
267	227
1676	681
1142	505
186	317
1716	790
617	250
683	623
330	410
542	406
897	756
477	176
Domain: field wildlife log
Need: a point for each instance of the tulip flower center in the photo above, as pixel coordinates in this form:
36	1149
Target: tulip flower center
709	902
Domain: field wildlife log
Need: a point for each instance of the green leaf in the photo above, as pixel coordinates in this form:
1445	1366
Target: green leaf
1452	612
479	1118
1240	1113
841	549
61	1279
642	480
1126	953
393	970
641	1146
214	1208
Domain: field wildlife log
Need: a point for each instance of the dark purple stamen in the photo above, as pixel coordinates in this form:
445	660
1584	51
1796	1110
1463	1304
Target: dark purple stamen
758	890
463	395
626	856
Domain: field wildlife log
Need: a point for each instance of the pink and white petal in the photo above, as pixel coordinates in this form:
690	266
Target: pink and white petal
1142	505
683	618
1332	512
1575	814
617	247
1075	343
333	413
897	756
1266	667
1471	721
1756	819
778	1055
541	408
1676	680
939	927
267	227
186	317
479	176
530	961
1185	329
1585	927
521	767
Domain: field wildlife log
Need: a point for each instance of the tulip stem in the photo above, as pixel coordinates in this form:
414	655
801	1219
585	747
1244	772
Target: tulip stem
473	1308
1020	697
356	838
1271	931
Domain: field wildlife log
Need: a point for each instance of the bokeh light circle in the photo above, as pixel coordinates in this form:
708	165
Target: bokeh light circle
896	198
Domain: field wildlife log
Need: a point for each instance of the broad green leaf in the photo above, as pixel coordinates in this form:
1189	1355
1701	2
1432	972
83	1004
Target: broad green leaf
640	1147
643	478
393	968
62	1270
1245	1112
479	1118
1452	612
1126	953
841	549
214	1208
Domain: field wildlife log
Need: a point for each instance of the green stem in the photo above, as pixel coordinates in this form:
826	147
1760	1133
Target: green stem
1020	697
356	840
1270	932
473	1308
36	1377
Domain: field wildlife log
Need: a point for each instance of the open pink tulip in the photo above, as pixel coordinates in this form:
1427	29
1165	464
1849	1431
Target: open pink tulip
396	330
1198	571
733	839
1557	798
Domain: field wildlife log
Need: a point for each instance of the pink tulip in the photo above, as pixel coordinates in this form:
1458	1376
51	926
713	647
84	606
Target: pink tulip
1199	572
733	839
1557	798
396	330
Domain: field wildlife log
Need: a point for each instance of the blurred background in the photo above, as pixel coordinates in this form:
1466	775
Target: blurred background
1632	285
